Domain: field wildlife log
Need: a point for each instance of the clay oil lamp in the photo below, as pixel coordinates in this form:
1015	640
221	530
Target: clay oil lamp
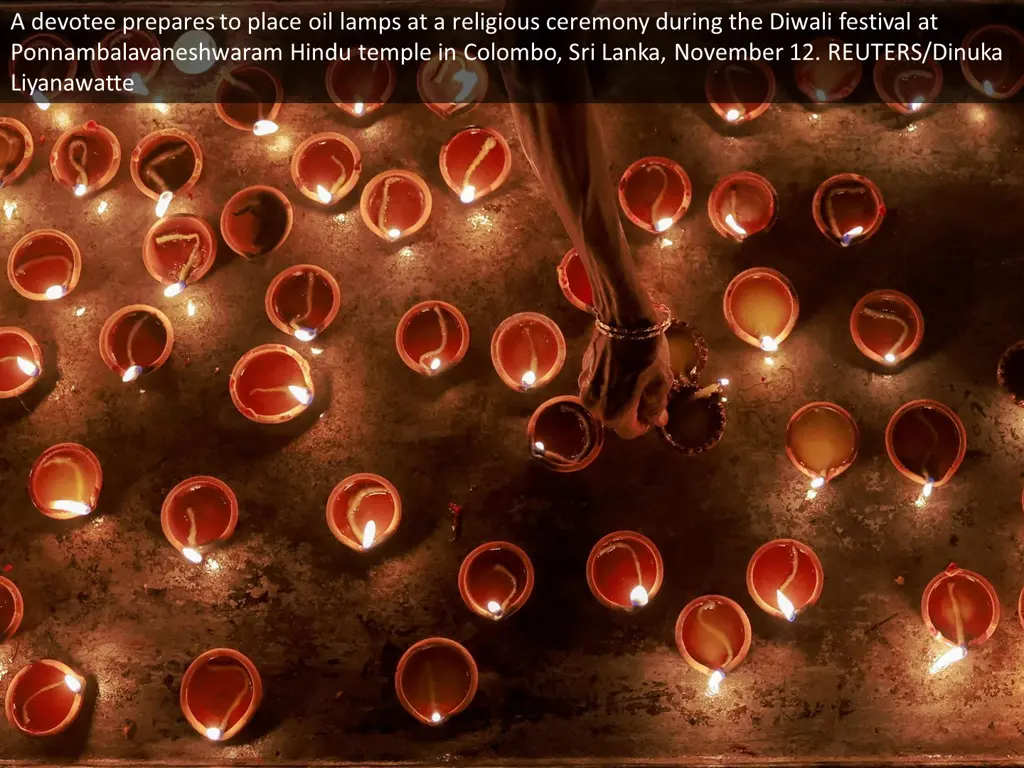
654	193
44	265
564	435
12	608
475	162
43	67
996	79
960	608
908	87
198	514
271	384
432	337
395	204
360	87
139	72
44	698
575	282
256	221
527	350
21	362
625	570
85	158
453	86
1020	608
363	511
887	326
687	349
16	150
220	692
302	301
926	441
178	251
164	164
784	577
740	91
696	416
1010	373
713	635
136	339
495	580
435	680
823	79
249	98
65	481
822	441
761	308
742	204
848	208
326	166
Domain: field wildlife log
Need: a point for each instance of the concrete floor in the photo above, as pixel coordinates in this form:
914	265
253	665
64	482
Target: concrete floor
565	680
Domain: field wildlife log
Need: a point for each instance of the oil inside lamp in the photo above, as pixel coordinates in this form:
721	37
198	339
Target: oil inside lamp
363	511
713	636
197	514
360	87
960	608
848	207
496	579
220	692
452	86
784	577
435	680
823	78
395	204
326	167
179	250
926	441
135	341
249	98
696	417
887	326
256	221
740	91
527	350
432	337
303	301
44	697
564	435
654	193
164	164
44	264
624	570
85	158
475	162
822	440
761	308
65	481
997	78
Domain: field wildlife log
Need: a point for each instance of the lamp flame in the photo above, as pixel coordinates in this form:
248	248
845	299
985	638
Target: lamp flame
359	107
323	194
723	382
369	534
538	447
926	491
495	608
192	555
394	233
889	357
73	683
662	224
138	84
785	605
44	103
715	682
264	127
436	717
529	379
213	734
986	87
915	104
734	225
468	194
638	597
848	237
952	656
817	482
820	95
28	367
9	208
80	190
732	115
79	508
305	334
163	203
301	394
55	292
132	374
768	344
435	364
174	289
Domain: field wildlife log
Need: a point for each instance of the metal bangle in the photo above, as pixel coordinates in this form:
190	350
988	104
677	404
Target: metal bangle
639	334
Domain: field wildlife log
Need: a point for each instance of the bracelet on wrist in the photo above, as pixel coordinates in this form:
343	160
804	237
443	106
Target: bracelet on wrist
636	334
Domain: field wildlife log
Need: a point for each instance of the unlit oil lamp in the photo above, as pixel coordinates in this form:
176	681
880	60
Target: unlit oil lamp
761	308
432	337
249	98
16	150
85	158
165	164
179	250
271	384
1010	373
220	692
452	86
696	416
713	635
198	514
395	204
822	441
45	64
435	680
496	580
575	282
527	350
135	340
256	221
360	87
564	435
742	204
1000	79
12	608
475	162
44	698
65	481
784	578
363	511
960	608
138	42
908	88
21	362
326	167
824	78
887	326
654	193
44	265
625	570
740	91
848	208
687	349
926	442
302	301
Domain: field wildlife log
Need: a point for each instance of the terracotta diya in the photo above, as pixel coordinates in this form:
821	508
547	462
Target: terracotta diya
435	680
996	79
21	362
432	337
575	282
887	326
302	301
249	98
363	511
687	349
220	692
564	435
141	71
654	193
85	158
326	166
784	578
740	91
165	164
198	514
44	265
822	441
453	86
908	87
496	580
742	204
256	221
624	570
12	608
65	481
713	635
178	251
926	441
848	208
475	162
696	417
44	698
395	204
271	384
823	79
960	608
527	350
16	150
761	307
1010	372
136	339
360	87
42	68
1020	608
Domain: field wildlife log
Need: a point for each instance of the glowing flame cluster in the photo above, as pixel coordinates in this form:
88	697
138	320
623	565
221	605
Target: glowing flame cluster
264	127
638	596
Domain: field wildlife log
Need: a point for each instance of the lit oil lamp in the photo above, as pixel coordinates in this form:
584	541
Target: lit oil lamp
713	635
926	442
687	349
432	337
822	441
564	435
848	208
527	350
325	167
395	204
453	86
908	88
740	91
364	511
179	250
137	42
220	692
887	326
45	64
1010	373
435	680
360	87
475	162
1000	79
44	265
696	416
44	698
249	98
784	578
496	580
761	308
741	205
654	193
12	608
302	301
16	150
165	164
21	362
624	570
65	481
85	158
198	514
575	282
256	221
823	78
271	384
135	340
960	608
